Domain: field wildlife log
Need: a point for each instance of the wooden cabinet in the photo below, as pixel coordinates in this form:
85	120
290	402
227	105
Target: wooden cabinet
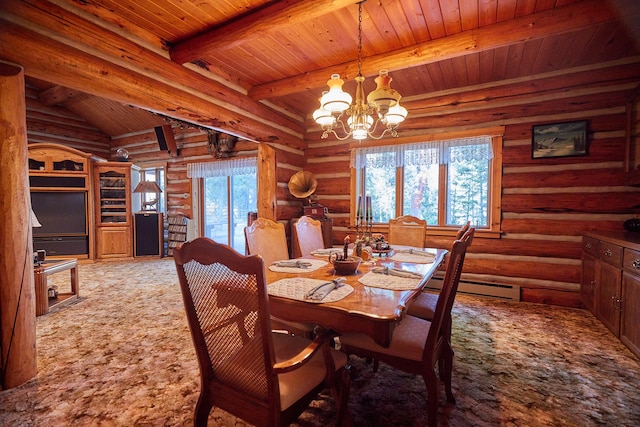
610	286
587	288
60	187
630	322
113	210
148	234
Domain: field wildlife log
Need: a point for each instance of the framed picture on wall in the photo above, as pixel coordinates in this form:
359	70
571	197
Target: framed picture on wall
559	140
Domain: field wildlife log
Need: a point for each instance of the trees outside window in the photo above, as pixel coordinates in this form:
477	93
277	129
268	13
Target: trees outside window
227	202
447	182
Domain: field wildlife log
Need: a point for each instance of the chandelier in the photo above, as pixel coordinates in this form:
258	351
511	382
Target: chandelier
336	105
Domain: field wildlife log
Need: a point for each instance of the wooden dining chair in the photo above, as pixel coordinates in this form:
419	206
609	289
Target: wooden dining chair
268	239
417	345
407	230
265	378
306	236
424	305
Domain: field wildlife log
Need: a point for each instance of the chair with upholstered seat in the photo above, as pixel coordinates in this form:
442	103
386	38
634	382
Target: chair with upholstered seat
417	345
407	230
264	377
306	237
424	305
268	239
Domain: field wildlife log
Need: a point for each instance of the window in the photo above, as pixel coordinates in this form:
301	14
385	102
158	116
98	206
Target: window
228	192
446	182
156	175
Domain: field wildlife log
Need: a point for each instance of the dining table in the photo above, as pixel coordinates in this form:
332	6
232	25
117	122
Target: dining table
373	300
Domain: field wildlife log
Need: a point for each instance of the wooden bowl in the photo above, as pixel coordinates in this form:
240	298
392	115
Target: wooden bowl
350	266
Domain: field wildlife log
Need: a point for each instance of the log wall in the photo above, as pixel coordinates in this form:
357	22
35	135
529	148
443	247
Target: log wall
546	203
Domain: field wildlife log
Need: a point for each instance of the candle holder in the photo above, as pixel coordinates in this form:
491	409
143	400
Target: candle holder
364	220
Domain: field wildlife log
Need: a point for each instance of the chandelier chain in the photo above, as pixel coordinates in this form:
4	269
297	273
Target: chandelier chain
360	38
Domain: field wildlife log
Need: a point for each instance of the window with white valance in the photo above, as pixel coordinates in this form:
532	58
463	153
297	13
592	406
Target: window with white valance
446	182
226	193
424	153
230	167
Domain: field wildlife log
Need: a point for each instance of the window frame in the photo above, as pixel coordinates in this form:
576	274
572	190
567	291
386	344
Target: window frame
494	211
199	192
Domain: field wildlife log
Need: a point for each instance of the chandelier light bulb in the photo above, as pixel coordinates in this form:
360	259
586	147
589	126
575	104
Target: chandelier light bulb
335	100
396	115
383	96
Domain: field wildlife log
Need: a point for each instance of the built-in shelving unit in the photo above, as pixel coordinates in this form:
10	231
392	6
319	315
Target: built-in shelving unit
113	210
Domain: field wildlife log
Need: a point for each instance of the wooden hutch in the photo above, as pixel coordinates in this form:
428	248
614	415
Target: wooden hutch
82	202
61	187
113	219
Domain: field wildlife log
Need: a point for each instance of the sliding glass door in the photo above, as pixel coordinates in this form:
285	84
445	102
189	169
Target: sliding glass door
227	202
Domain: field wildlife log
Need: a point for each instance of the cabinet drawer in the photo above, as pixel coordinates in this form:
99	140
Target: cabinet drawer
610	253
631	261
590	245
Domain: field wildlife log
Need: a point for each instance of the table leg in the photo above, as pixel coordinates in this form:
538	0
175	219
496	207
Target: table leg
42	297
75	289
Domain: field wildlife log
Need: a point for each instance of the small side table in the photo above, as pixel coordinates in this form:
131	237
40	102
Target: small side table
47	268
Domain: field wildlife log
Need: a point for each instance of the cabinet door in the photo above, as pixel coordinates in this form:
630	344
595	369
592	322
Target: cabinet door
114	242
608	293
630	317
587	285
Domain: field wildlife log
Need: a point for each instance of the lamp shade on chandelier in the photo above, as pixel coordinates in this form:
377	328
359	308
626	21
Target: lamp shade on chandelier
372	117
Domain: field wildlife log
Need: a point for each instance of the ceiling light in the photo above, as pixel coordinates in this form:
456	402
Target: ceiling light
383	102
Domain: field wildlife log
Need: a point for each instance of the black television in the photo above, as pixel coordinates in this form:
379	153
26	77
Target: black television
60	212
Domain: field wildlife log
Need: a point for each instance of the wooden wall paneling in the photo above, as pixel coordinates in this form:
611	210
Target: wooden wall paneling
606	201
536	268
550	296
570	225
583	177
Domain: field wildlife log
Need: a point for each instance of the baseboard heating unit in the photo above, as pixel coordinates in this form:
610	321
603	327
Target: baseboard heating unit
480	288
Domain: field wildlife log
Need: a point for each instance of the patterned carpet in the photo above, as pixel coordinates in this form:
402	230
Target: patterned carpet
122	356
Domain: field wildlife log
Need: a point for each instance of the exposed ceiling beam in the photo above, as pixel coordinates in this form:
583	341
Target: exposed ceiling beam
554	21
57	95
74	31
253	25
61	64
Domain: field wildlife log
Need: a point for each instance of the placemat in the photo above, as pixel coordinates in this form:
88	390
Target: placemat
297	287
325	252
384	281
315	264
415	256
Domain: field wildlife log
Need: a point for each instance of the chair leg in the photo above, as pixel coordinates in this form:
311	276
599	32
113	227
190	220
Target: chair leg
446	371
431	381
203	408
340	393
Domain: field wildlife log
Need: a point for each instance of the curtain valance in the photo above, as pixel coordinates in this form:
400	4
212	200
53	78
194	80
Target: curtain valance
424	153
240	166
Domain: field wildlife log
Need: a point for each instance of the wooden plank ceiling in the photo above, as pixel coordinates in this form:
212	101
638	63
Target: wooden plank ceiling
281	53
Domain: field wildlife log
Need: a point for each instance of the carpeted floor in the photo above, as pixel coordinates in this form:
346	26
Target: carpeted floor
122	356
